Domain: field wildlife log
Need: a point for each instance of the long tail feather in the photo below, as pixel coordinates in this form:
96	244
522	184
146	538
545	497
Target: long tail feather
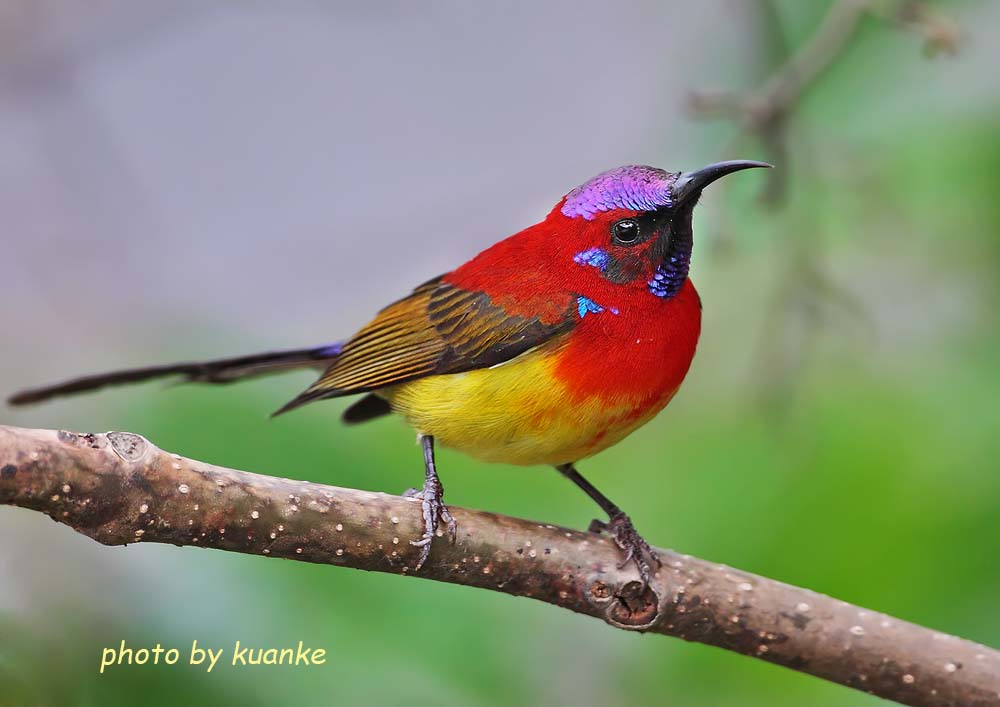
226	370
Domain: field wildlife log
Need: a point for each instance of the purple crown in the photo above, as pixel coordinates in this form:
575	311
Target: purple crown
635	187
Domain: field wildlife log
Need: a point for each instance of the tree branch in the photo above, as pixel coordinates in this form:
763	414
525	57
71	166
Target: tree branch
118	488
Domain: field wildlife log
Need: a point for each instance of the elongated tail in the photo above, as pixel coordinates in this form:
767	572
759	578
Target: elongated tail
224	370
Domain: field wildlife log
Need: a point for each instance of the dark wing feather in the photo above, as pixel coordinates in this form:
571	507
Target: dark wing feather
367	408
439	328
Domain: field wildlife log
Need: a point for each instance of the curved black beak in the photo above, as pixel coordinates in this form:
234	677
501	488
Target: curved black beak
690	184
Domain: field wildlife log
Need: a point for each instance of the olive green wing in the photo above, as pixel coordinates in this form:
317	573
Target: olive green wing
439	328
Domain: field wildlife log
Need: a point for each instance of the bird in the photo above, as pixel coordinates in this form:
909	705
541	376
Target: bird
544	349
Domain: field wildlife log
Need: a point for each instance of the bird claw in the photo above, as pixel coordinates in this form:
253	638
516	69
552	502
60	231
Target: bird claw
434	511
628	540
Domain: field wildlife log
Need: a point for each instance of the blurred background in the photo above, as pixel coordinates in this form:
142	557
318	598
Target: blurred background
185	179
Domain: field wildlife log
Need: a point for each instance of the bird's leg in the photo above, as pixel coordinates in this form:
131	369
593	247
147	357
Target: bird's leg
619	526
433	504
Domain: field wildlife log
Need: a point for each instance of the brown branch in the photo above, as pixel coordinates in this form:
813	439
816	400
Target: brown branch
118	488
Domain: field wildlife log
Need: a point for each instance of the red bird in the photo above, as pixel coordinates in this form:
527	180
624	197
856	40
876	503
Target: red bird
545	348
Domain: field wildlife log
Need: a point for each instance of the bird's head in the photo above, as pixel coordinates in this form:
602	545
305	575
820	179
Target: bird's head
633	224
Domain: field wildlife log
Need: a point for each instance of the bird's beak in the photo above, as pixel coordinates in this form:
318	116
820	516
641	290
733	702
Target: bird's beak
690	184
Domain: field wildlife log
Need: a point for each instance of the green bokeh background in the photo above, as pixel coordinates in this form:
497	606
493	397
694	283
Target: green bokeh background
838	431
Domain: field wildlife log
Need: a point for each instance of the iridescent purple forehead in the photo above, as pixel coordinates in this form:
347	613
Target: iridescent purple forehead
635	187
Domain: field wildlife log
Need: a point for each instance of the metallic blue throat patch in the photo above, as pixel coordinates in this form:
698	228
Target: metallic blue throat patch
673	270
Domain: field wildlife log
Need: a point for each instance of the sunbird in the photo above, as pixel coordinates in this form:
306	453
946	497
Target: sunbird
546	348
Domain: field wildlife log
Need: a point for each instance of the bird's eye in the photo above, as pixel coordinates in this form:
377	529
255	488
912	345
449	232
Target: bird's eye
625	232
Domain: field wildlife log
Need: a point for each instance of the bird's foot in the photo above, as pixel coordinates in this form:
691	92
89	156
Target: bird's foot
636	549
432	497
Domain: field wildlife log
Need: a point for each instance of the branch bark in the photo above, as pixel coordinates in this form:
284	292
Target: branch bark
118	488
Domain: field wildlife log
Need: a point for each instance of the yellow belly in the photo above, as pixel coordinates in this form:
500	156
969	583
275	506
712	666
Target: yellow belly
517	413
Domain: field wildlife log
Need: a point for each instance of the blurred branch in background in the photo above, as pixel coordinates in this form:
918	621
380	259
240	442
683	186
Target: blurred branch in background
805	292
764	111
118	488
